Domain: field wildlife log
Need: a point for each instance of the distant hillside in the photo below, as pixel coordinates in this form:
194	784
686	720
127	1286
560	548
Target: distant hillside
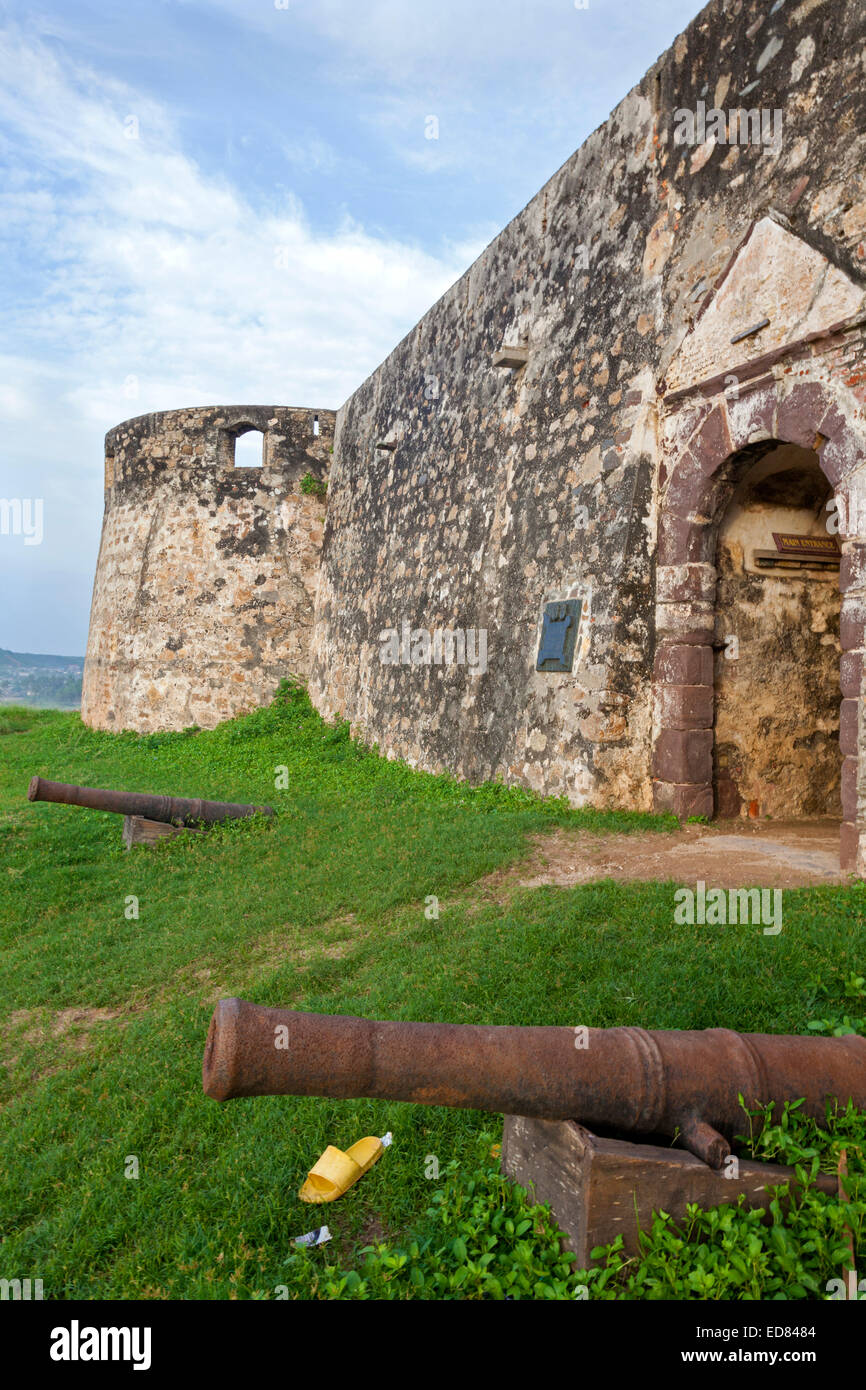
32	678
13	661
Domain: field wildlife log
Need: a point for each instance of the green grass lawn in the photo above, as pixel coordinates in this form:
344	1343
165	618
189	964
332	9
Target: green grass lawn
104	1014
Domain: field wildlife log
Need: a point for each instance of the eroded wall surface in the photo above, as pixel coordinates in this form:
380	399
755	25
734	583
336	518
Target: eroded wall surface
777	660
206	578
501	489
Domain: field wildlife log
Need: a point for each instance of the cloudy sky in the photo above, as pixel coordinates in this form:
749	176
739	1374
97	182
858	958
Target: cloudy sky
237	200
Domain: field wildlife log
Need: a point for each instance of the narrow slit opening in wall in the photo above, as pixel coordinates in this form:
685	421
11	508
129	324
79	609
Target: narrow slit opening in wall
250	449
315	424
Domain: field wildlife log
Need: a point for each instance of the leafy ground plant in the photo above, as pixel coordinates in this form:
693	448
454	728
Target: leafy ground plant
802	1249
480	1238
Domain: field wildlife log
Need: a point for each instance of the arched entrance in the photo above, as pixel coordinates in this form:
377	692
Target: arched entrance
722	443
776	649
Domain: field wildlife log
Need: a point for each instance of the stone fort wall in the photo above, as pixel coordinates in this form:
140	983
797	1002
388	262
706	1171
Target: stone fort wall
467	495
574	421
206	578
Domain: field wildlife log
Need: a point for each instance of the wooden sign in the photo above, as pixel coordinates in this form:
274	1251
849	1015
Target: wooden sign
821	547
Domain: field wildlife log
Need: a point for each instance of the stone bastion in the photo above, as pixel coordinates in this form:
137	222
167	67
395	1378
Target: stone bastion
207	571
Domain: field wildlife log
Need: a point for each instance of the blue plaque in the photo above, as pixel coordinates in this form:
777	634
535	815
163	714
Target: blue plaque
559	635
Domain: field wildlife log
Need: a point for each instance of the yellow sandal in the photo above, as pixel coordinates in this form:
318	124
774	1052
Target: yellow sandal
336	1171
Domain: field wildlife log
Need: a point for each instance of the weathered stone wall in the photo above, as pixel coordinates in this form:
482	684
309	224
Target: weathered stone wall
503	489
206	579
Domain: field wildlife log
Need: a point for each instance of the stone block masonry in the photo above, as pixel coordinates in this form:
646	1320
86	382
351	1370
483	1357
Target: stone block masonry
657	365
506	489
207	572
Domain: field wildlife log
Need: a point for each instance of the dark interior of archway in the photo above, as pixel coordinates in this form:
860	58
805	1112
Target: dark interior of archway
776	748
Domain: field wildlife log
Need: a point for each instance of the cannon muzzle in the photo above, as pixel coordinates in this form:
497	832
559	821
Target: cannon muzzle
624	1080
173	810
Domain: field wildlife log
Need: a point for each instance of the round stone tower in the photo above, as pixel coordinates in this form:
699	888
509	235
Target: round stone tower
207	570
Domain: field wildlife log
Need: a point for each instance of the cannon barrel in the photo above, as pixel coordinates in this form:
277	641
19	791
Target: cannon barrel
173	810
621	1079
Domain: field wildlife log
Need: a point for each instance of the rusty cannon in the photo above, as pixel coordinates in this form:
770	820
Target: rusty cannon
167	810
623	1080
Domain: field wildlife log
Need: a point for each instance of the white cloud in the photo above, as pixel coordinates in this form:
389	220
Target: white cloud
515	82
152	268
435	44
310	153
136	282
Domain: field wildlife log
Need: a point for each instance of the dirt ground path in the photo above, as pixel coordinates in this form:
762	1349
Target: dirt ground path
728	854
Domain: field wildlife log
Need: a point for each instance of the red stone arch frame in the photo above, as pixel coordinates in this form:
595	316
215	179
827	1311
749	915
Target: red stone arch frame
692	500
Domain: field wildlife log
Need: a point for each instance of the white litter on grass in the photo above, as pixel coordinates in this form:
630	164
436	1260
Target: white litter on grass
317	1237
386	1139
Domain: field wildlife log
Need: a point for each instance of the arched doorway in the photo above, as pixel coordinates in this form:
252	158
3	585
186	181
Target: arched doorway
723	444
776	649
